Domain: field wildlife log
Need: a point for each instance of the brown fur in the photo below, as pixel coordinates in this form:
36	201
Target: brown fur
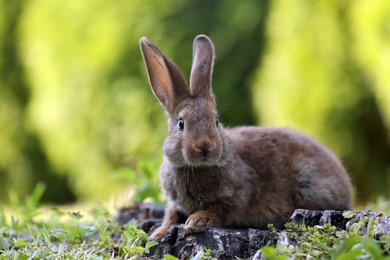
240	177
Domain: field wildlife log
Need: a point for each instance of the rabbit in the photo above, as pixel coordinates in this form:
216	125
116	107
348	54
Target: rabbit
243	177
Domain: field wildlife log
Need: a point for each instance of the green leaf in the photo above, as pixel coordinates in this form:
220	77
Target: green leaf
170	257
348	214
353	254
150	244
34	198
269	251
20	242
372	247
22	256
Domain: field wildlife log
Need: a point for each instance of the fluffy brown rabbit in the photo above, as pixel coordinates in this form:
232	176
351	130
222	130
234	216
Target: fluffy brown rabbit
239	177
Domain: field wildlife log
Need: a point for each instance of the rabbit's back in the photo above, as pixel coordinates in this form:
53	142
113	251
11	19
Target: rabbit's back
296	168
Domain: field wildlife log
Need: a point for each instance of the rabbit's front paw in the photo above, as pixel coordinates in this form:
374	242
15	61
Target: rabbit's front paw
158	233
202	220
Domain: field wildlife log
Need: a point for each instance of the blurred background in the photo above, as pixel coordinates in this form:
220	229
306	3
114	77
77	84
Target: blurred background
75	105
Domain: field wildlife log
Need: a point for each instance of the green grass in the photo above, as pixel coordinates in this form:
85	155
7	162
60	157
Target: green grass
32	232
67	236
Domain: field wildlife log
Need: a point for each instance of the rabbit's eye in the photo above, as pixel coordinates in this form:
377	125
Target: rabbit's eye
180	123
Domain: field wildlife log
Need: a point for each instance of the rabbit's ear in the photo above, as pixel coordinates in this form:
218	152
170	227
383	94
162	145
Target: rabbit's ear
165	79
202	66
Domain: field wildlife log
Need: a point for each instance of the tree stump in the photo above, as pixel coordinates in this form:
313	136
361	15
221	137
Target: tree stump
228	243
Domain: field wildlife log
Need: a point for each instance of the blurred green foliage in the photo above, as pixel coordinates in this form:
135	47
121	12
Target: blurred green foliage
144	182
75	102
326	71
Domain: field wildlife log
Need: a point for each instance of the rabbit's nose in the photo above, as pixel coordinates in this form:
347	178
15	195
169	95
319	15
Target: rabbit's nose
204	146
205	152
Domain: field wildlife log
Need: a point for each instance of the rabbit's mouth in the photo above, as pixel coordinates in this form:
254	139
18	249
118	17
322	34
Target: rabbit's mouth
205	161
202	157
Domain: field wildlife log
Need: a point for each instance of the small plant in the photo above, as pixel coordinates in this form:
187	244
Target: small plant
145	181
29	208
134	242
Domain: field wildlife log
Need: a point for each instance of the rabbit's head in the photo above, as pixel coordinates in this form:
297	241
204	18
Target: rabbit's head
196	137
